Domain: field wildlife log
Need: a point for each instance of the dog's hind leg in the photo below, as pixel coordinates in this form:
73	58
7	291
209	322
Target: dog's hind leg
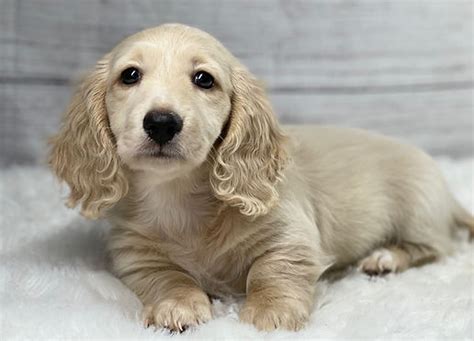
397	258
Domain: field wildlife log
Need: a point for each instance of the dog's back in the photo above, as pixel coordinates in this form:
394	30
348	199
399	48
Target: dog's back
369	190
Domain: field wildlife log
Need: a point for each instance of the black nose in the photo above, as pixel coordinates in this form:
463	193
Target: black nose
161	126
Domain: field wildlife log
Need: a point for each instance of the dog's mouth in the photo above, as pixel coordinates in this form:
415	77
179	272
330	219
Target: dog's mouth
161	152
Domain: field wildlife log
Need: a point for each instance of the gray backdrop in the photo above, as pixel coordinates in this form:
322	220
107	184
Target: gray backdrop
401	67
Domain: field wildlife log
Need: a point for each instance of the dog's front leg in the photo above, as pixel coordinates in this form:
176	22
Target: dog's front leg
171	297
280	289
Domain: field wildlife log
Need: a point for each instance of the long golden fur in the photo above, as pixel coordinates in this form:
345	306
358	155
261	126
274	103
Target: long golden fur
240	206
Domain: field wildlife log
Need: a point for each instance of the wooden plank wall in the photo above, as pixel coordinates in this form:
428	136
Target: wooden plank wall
401	67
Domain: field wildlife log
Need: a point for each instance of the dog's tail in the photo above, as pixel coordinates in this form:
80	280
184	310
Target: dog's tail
463	219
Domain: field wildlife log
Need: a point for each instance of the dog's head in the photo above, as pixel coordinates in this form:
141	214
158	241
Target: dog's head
167	100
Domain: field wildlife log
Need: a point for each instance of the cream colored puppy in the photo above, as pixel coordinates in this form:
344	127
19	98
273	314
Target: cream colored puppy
175	142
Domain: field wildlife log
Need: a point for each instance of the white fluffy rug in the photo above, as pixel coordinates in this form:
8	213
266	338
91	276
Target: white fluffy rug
54	284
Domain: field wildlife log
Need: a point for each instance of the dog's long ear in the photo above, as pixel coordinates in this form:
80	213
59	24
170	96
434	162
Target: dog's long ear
249	161
83	153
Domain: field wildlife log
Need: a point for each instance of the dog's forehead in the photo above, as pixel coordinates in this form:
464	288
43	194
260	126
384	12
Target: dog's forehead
175	48
168	51
170	31
150	56
172	39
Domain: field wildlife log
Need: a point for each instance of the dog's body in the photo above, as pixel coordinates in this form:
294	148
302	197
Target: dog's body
258	211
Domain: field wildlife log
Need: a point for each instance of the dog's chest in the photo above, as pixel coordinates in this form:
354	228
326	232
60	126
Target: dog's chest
193	238
219	269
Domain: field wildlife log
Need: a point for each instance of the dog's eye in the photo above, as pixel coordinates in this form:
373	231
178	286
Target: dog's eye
130	76
203	80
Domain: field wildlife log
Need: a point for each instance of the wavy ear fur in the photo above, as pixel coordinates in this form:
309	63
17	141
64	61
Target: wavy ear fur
83	153
250	159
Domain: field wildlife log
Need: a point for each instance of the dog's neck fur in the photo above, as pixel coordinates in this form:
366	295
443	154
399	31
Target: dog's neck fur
174	208
185	221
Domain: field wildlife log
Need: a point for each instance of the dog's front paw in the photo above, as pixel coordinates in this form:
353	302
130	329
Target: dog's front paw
178	313
268	315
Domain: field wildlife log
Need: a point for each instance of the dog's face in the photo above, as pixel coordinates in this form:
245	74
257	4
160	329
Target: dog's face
159	102
168	98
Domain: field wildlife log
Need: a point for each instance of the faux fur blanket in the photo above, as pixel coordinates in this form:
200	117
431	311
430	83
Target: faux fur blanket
54	282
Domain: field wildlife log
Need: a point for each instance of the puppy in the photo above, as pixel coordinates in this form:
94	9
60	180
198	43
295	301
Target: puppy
175	142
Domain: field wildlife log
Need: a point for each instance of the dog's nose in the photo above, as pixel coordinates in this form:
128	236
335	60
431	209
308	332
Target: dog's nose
161	126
